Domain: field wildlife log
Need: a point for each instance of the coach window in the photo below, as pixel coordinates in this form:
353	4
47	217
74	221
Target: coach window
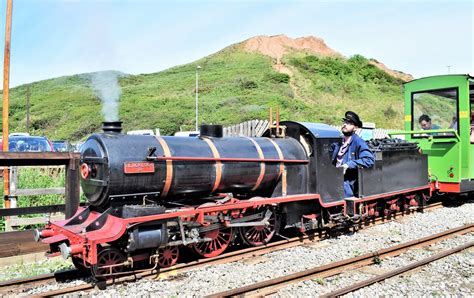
435	109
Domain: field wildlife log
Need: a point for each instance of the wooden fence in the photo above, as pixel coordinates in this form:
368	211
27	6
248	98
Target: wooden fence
256	128
71	190
252	128
14	222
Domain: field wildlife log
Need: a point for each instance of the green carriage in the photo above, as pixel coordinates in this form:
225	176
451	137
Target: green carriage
439	116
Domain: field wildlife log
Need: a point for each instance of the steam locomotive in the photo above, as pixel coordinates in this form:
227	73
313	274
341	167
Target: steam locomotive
152	197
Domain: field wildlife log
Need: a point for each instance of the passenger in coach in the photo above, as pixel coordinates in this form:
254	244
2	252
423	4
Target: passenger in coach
352	153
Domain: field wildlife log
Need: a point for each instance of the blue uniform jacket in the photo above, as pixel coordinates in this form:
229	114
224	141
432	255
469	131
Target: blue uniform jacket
357	155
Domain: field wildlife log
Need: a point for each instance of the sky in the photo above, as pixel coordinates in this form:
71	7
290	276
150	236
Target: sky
52	38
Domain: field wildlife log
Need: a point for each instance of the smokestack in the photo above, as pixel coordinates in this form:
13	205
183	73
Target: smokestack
215	131
112	126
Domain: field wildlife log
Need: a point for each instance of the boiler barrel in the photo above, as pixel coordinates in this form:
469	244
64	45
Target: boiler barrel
116	166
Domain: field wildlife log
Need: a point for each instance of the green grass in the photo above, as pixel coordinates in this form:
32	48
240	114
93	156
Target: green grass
45	266
235	86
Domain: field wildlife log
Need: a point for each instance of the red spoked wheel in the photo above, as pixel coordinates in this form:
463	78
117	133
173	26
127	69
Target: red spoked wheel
259	235
220	241
168	256
107	257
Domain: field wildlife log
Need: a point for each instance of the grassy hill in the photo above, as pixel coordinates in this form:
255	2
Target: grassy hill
235	86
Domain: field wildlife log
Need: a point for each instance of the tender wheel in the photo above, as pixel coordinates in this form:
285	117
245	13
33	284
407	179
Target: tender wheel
168	256
109	256
220	241
259	235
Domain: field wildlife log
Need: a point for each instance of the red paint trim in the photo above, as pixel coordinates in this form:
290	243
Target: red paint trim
333	204
391	194
230	159
445	187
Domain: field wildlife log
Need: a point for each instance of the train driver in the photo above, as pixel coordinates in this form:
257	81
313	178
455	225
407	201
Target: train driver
425	123
352	153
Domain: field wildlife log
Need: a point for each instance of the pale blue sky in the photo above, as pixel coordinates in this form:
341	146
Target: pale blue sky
52	38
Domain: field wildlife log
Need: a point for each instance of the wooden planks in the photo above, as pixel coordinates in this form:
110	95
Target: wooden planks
252	128
19	243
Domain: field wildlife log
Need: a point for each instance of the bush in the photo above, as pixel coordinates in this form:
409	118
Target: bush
390	112
247	84
277	77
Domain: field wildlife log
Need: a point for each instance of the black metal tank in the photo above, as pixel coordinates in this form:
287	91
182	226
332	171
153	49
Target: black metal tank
118	167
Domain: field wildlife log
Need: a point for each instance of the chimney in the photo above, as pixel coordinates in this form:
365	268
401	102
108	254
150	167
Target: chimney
215	131
112	126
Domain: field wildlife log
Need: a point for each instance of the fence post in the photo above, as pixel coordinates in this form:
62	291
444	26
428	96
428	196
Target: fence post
72	187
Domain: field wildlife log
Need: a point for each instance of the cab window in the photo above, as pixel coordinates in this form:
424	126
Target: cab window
435	109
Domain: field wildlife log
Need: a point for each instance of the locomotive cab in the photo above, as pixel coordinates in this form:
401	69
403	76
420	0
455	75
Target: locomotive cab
317	138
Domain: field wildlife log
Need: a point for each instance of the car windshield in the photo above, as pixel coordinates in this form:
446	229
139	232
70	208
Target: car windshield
29	144
60	146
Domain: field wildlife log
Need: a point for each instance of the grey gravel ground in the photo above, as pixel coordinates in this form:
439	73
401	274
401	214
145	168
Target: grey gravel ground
212	279
453	275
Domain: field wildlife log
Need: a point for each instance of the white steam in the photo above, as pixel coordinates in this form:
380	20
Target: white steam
107	88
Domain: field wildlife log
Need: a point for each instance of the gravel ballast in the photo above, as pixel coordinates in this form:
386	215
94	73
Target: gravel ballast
213	279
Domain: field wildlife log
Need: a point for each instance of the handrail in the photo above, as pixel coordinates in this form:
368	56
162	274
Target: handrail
427	132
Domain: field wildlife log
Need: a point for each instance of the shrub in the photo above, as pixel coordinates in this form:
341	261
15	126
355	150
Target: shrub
390	112
247	84
277	77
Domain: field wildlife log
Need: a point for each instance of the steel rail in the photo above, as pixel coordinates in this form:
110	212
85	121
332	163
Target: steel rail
221	259
398	271
273	285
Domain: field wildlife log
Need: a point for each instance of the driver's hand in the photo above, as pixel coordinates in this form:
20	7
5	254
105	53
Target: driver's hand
344	167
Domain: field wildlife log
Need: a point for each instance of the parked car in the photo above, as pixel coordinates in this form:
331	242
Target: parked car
77	146
186	134
62	146
26	143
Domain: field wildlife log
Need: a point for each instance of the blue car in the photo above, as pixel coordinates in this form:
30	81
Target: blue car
24	143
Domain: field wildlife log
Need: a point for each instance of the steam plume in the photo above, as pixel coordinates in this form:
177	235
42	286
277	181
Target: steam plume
107	88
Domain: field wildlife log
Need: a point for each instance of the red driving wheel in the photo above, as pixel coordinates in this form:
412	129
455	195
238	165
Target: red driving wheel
220	240
259	235
168	256
107	257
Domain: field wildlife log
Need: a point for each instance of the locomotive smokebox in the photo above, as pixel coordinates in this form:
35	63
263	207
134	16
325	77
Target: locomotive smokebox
215	131
112	126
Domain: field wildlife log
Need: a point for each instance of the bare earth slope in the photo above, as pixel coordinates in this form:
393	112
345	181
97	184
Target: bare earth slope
277	46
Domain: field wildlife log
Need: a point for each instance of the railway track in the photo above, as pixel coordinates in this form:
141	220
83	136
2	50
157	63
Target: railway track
274	285
13	286
398	271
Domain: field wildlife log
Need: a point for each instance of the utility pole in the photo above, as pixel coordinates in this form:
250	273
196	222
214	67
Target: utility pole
449	68
28	108
197	96
6	86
